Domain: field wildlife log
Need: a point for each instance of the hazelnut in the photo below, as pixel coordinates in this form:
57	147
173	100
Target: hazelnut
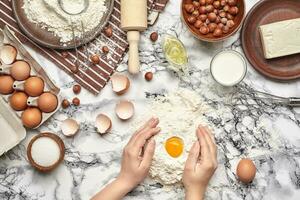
218	20
191	19
209	8
154	36
202	10
204	30
76	89
76	101
198	24
230	23
225	29
64	54
217	32
212	17
75	69
212	27
208	2
202	2
207	21
226	8
223	2
233	10
189	8
229	16
95	59
195	13
232	2
222	14
65	104
224	21
105	49
202	18
108	31
217	4
216	11
196	4
149	76
220	25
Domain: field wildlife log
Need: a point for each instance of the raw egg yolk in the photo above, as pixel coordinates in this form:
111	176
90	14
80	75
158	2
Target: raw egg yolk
174	146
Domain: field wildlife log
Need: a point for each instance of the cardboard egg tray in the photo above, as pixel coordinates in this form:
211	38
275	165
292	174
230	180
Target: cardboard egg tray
10	120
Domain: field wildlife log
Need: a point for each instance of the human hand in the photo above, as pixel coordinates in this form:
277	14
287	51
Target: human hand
200	165
137	155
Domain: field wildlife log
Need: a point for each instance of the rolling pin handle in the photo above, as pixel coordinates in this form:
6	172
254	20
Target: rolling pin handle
133	38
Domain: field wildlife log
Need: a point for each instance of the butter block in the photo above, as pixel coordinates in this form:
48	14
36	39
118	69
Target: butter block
280	38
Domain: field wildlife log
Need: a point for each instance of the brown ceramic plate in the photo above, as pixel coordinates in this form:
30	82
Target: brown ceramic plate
265	12
48	39
209	37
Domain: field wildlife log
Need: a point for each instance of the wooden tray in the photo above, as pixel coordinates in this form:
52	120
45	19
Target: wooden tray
48	39
265	12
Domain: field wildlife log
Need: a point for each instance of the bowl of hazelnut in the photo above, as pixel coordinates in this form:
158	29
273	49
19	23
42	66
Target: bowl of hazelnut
213	20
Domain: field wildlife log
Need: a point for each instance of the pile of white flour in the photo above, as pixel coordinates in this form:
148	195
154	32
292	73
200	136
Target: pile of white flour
179	113
50	16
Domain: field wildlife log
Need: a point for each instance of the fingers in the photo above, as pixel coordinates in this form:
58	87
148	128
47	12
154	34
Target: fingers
193	157
204	149
148	154
209	138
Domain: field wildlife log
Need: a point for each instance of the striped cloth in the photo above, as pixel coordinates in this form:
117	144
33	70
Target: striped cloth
93	77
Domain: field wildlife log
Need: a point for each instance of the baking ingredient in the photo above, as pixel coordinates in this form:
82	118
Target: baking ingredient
20	70
76	89
69	127
6	84
108	31
154	36
174	146
280	38
95	59
148	76
103	124
105	49
18	101
228	68
124	110
76	101
75	69
64	54
65	103
34	86
8	54
175	53
31	117
50	16
47	102
180	112
120	83
45	151
246	171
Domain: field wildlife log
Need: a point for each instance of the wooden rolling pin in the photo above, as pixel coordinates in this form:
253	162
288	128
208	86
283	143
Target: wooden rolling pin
133	20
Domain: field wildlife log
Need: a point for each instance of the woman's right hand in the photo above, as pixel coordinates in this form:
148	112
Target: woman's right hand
200	165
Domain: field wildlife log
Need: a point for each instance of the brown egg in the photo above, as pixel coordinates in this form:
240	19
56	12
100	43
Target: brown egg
34	86
31	117
6	84
18	101
20	70
47	102
246	171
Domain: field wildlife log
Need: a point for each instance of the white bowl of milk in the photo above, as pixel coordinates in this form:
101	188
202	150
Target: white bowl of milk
228	68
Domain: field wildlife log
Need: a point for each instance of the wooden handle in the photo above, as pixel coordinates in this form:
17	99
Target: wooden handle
133	38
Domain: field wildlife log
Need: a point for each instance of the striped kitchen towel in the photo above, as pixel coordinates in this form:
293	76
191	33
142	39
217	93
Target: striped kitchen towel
93	77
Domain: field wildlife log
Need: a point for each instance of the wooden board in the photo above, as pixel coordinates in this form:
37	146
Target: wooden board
48	39
265	12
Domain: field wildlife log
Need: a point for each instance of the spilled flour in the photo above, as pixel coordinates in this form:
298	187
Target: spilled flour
179	113
50	16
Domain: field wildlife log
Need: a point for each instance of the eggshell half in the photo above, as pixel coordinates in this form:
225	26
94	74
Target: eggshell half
103	124
125	110
69	127
8	54
120	83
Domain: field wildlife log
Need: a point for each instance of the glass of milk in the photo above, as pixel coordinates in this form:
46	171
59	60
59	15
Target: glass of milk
228	68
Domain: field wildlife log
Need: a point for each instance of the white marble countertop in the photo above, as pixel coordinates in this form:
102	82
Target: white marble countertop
268	134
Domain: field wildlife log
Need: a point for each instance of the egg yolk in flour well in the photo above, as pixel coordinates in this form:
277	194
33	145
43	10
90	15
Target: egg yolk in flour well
174	146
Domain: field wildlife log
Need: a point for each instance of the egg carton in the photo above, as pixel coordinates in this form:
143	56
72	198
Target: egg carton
7	37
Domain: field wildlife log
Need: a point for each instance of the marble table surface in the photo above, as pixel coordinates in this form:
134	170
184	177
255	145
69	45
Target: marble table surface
268	134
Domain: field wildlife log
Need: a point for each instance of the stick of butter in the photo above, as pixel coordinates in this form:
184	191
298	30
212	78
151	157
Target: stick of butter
281	38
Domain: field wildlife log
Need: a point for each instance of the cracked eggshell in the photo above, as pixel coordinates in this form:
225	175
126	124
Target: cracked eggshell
125	110
103	124
69	127
8	54
120	83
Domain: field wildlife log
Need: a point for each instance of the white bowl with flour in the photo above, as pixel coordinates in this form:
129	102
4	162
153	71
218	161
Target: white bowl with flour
228	68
